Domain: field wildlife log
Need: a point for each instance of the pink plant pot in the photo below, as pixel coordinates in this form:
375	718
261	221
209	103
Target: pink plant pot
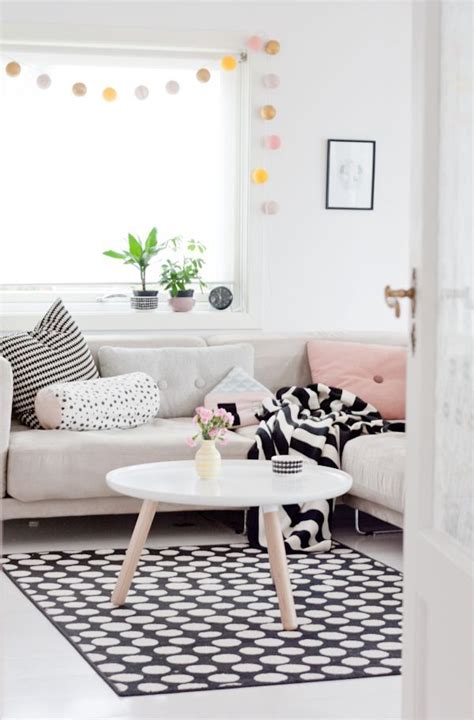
181	304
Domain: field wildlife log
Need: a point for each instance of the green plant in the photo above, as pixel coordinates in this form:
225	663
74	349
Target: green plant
141	254
178	275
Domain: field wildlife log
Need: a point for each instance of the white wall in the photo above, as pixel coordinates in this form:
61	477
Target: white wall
346	72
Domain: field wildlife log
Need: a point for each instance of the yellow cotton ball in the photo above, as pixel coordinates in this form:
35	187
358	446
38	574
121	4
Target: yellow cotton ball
268	112
13	69
109	94
79	89
260	176
272	47
203	75
228	62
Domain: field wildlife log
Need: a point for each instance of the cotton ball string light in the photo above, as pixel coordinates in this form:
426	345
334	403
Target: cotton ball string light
13	69
79	89
109	94
259	176
141	92
267	112
273	142
271	81
272	47
255	43
271	207
228	63
203	75
172	87
43	81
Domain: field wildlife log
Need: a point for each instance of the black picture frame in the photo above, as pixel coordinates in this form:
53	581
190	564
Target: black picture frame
333	197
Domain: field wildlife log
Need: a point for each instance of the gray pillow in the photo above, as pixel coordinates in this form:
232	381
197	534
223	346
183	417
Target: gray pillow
184	375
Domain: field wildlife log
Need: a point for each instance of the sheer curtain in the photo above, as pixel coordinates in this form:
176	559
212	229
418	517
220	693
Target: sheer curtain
82	172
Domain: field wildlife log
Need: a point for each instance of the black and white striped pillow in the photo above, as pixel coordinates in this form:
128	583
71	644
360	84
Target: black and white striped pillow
55	351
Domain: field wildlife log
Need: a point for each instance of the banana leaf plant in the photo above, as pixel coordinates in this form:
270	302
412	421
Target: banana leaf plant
140	254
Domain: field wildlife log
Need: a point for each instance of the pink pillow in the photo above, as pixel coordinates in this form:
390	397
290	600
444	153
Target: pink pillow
376	373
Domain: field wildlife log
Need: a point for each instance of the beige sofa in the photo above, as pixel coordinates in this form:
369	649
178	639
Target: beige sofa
47	473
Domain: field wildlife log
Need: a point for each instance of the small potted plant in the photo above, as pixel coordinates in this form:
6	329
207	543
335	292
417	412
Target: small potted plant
177	276
213	426
140	256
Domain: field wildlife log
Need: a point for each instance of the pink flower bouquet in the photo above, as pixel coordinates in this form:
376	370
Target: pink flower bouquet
213	425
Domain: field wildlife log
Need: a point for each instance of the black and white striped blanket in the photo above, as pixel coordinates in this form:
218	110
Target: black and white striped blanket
316	422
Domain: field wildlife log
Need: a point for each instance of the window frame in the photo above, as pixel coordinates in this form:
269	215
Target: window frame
22	306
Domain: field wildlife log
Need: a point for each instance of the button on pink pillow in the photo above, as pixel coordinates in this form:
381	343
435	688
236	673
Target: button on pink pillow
376	373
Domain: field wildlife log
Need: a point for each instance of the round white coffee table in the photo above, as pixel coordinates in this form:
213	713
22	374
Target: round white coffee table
243	484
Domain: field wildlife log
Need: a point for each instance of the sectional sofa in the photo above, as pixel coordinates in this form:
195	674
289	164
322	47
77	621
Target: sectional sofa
47	473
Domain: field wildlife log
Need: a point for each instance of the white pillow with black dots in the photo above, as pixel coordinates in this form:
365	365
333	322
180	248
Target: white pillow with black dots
117	402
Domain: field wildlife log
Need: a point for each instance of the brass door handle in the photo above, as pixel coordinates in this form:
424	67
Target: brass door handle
392	297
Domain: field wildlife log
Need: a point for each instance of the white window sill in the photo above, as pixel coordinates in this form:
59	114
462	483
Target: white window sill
129	320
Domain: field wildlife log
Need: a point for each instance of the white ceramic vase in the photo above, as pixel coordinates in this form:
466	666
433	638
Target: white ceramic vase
208	460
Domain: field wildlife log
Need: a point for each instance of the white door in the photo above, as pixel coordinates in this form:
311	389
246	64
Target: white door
438	672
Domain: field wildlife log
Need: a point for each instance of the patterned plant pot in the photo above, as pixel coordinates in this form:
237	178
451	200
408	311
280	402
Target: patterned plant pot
208	460
144	300
183	302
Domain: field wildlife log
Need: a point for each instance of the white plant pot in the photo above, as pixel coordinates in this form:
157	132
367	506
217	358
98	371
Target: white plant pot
208	460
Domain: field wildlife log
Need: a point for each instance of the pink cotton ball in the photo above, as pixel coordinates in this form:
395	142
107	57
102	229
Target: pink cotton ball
43	81
172	87
273	142
271	81
271	207
141	92
255	43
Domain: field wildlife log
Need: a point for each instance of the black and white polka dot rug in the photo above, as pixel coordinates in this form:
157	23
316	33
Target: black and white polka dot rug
207	618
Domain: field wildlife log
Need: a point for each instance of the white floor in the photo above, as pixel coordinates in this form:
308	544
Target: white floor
44	677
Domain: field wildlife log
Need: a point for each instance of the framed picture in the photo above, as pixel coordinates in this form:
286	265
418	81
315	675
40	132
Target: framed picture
350	175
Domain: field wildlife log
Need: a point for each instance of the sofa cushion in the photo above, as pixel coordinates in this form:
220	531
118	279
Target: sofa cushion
281	360
241	395
55	351
375	373
139	340
184	375
377	466
116	402
49	465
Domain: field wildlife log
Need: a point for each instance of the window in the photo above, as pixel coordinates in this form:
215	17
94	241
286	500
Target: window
83	172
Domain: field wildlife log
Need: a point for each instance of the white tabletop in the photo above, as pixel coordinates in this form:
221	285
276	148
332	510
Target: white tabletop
243	483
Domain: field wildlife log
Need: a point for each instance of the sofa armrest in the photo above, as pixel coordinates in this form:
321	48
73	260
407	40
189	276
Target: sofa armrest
6	397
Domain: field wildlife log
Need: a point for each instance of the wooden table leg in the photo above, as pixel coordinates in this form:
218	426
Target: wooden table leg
279	568
135	547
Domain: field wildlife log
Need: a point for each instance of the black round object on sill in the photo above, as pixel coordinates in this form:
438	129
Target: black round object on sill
221	297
